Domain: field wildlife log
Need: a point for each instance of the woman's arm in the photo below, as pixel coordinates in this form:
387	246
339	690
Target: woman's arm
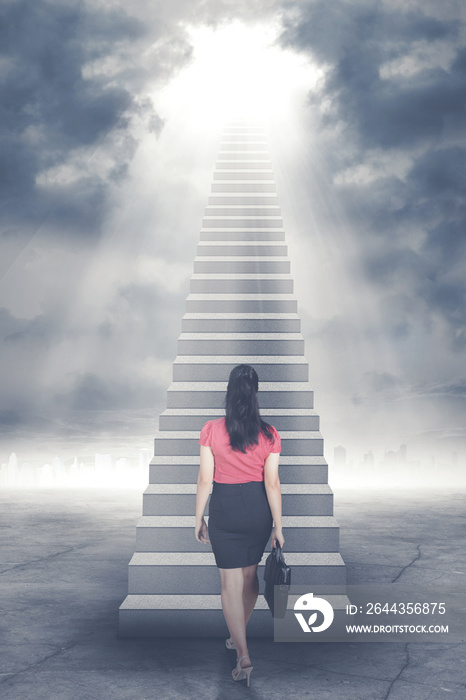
204	483
274	495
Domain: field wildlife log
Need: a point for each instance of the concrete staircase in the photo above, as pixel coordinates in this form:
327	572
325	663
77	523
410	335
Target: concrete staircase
240	309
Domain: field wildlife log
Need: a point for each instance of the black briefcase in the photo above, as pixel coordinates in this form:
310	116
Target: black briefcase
277	577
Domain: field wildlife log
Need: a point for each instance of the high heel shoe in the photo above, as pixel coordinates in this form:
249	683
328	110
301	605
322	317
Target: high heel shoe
229	643
241	672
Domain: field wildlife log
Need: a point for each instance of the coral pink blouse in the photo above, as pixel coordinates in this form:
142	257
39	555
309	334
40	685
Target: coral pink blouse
231	466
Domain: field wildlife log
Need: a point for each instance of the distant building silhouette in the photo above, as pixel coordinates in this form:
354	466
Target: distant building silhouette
12	469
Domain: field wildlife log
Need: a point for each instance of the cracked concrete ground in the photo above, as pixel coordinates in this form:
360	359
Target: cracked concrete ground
63	575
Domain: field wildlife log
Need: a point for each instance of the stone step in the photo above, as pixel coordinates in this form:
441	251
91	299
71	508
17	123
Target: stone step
242	264
250	223
230	153
183	443
195	418
175	489
258	164
226	156
238	133
235	207
151	573
247	205
250	247
241	303
267	389
250	134
286	462
254	236
197	615
240	344
245	128
232	145
236	158
235	143
259	145
244	187
244	175
260	134
174	533
241	126
180	499
256	150
239	222
244	248
240	323
247	146
246	155
226	256
212	395
220	211
260	157
232	204
244	137
241	284
205	368
239	156
184	470
242	200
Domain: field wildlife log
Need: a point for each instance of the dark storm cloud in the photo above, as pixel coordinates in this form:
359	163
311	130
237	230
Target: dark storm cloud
70	78
431	202
393	91
45	47
438	184
355	40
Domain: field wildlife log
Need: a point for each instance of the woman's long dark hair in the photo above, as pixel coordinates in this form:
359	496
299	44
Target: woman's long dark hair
243	421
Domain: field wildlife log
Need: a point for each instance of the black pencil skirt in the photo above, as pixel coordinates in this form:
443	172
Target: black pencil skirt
240	523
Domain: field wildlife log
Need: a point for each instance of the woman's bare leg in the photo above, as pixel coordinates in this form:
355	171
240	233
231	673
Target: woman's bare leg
233	608
250	590
249	597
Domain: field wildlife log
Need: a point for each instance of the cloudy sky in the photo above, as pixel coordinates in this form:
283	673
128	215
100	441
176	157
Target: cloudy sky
110	118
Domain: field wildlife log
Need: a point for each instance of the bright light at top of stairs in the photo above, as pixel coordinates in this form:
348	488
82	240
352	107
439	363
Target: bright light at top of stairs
239	71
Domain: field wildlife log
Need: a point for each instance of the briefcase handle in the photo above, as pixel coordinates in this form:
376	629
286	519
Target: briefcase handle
277	551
